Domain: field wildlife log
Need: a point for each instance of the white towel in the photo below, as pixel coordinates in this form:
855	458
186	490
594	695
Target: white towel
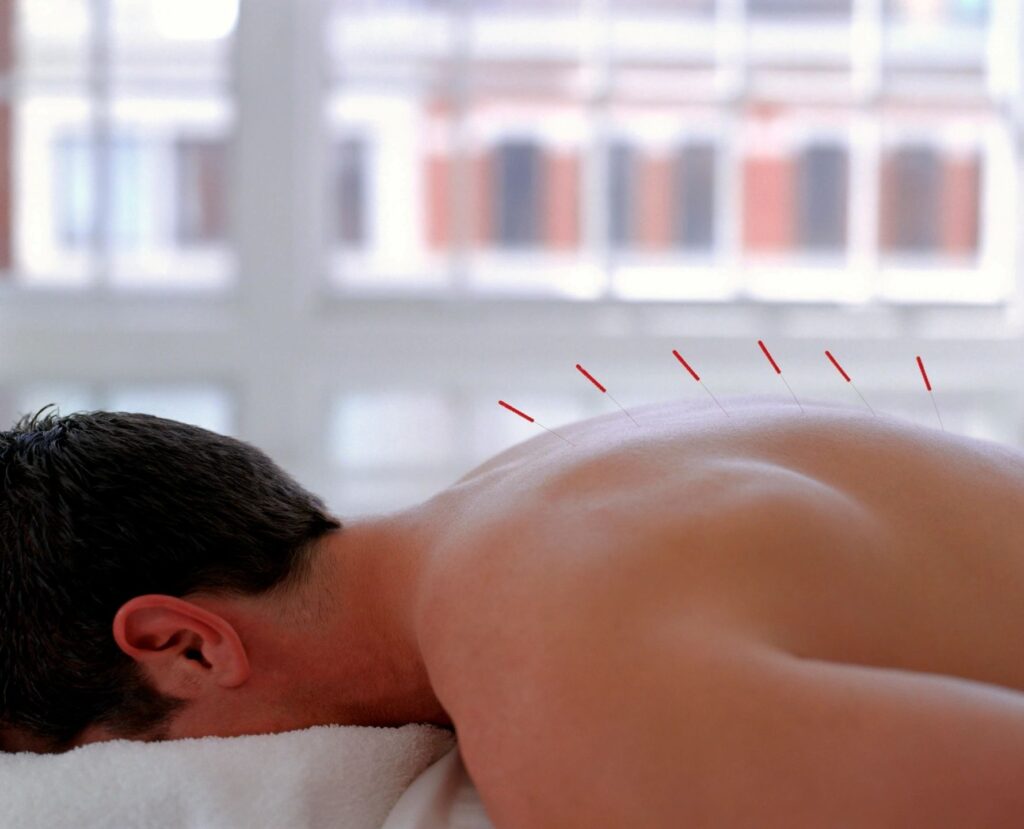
443	797
327	776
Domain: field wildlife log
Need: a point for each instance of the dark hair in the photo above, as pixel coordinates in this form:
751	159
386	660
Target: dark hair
98	507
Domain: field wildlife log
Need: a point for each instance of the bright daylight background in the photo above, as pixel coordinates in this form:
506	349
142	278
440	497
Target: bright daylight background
342	230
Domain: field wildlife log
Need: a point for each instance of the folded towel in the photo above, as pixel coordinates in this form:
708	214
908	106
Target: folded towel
338	776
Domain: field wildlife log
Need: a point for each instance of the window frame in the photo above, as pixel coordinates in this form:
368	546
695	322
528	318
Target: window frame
284	347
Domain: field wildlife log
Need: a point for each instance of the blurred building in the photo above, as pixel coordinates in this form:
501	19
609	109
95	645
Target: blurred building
644	149
115	146
634	147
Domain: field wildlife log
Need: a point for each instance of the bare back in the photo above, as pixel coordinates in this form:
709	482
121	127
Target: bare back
836	534
812	618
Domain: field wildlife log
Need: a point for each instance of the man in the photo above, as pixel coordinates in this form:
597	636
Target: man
770	619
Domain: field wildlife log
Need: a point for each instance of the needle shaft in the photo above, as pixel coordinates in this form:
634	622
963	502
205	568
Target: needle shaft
798	403
720	406
861	396
931	394
624	410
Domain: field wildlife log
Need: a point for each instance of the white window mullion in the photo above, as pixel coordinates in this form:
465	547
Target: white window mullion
461	153
1011	16
102	133
732	82
595	64
279	224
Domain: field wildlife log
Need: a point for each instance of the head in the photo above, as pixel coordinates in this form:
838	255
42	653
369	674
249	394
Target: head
112	526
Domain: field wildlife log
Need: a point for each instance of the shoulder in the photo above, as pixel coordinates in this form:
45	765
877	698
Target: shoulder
560	565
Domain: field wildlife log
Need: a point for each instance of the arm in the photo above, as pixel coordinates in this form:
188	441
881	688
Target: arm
689	726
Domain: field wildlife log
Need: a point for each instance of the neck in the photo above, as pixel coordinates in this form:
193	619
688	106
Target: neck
372	574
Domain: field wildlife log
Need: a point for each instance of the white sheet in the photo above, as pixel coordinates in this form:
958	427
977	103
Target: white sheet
442	797
327	776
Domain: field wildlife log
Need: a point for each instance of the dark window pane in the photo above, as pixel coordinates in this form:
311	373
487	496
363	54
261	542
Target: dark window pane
911	193
350	191
695	199
202	191
620	195
518	204
799	8
822	197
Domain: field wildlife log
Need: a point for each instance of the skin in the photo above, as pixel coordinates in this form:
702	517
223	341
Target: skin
811	618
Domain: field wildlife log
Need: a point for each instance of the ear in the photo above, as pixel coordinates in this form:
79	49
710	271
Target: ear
185	649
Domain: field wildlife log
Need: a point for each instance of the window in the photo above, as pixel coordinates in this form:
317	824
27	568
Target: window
357	224
202	191
351	193
911	183
823	198
662	199
73	192
126	195
115	138
621	203
930	203
695	202
712	151
656	146
518	203
414	429
143	199
201	405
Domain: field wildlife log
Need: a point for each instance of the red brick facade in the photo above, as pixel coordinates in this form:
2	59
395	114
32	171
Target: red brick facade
562	200
769	204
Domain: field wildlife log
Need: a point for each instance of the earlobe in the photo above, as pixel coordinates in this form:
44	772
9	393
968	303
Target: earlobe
180	642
